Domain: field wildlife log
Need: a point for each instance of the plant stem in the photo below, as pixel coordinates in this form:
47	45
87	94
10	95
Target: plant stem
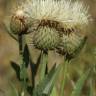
64	73
22	63
43	64
54	91
91	87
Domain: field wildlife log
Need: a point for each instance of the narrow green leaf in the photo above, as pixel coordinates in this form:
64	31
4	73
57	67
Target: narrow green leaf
14	91
24	61
91	88
54	92
7	27
80	83
50	85
80	47
16	67
64	74
37	63
23	52
43	64
26	56
38	91
75	53
30	89
34	69
23	73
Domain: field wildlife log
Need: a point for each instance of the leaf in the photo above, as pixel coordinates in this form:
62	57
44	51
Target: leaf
30	89
7	27
14	91
54	92
91	88
43	64
80	47
34	68
23	73
75	53
38	63
38	91
26	57
80	83
52	82
16	67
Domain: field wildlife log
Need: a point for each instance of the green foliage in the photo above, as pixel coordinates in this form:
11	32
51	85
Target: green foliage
46	39
64	73
16	67
54	92
7	27
46	85
52	82
43	64
14	91
80	83
91	88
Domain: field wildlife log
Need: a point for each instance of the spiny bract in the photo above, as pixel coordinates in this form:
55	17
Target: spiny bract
46	38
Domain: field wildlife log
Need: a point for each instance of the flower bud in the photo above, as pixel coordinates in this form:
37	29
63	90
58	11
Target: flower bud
19	22
71	44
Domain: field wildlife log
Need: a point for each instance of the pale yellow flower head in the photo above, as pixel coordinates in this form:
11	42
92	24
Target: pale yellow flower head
54	23
69	14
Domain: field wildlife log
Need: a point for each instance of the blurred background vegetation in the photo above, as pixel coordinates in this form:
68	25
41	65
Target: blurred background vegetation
9	52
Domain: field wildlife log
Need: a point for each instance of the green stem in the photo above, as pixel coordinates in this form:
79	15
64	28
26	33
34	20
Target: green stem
64	73
22	63
43	64
91	91
54	91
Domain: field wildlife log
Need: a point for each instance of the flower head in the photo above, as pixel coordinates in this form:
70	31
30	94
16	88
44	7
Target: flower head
59	22
19	22
69	14
71	44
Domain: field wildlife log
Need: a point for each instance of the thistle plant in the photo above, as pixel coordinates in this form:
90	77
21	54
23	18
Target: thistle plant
52	25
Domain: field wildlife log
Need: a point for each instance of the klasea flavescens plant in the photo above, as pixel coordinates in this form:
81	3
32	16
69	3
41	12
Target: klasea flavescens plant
54	25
